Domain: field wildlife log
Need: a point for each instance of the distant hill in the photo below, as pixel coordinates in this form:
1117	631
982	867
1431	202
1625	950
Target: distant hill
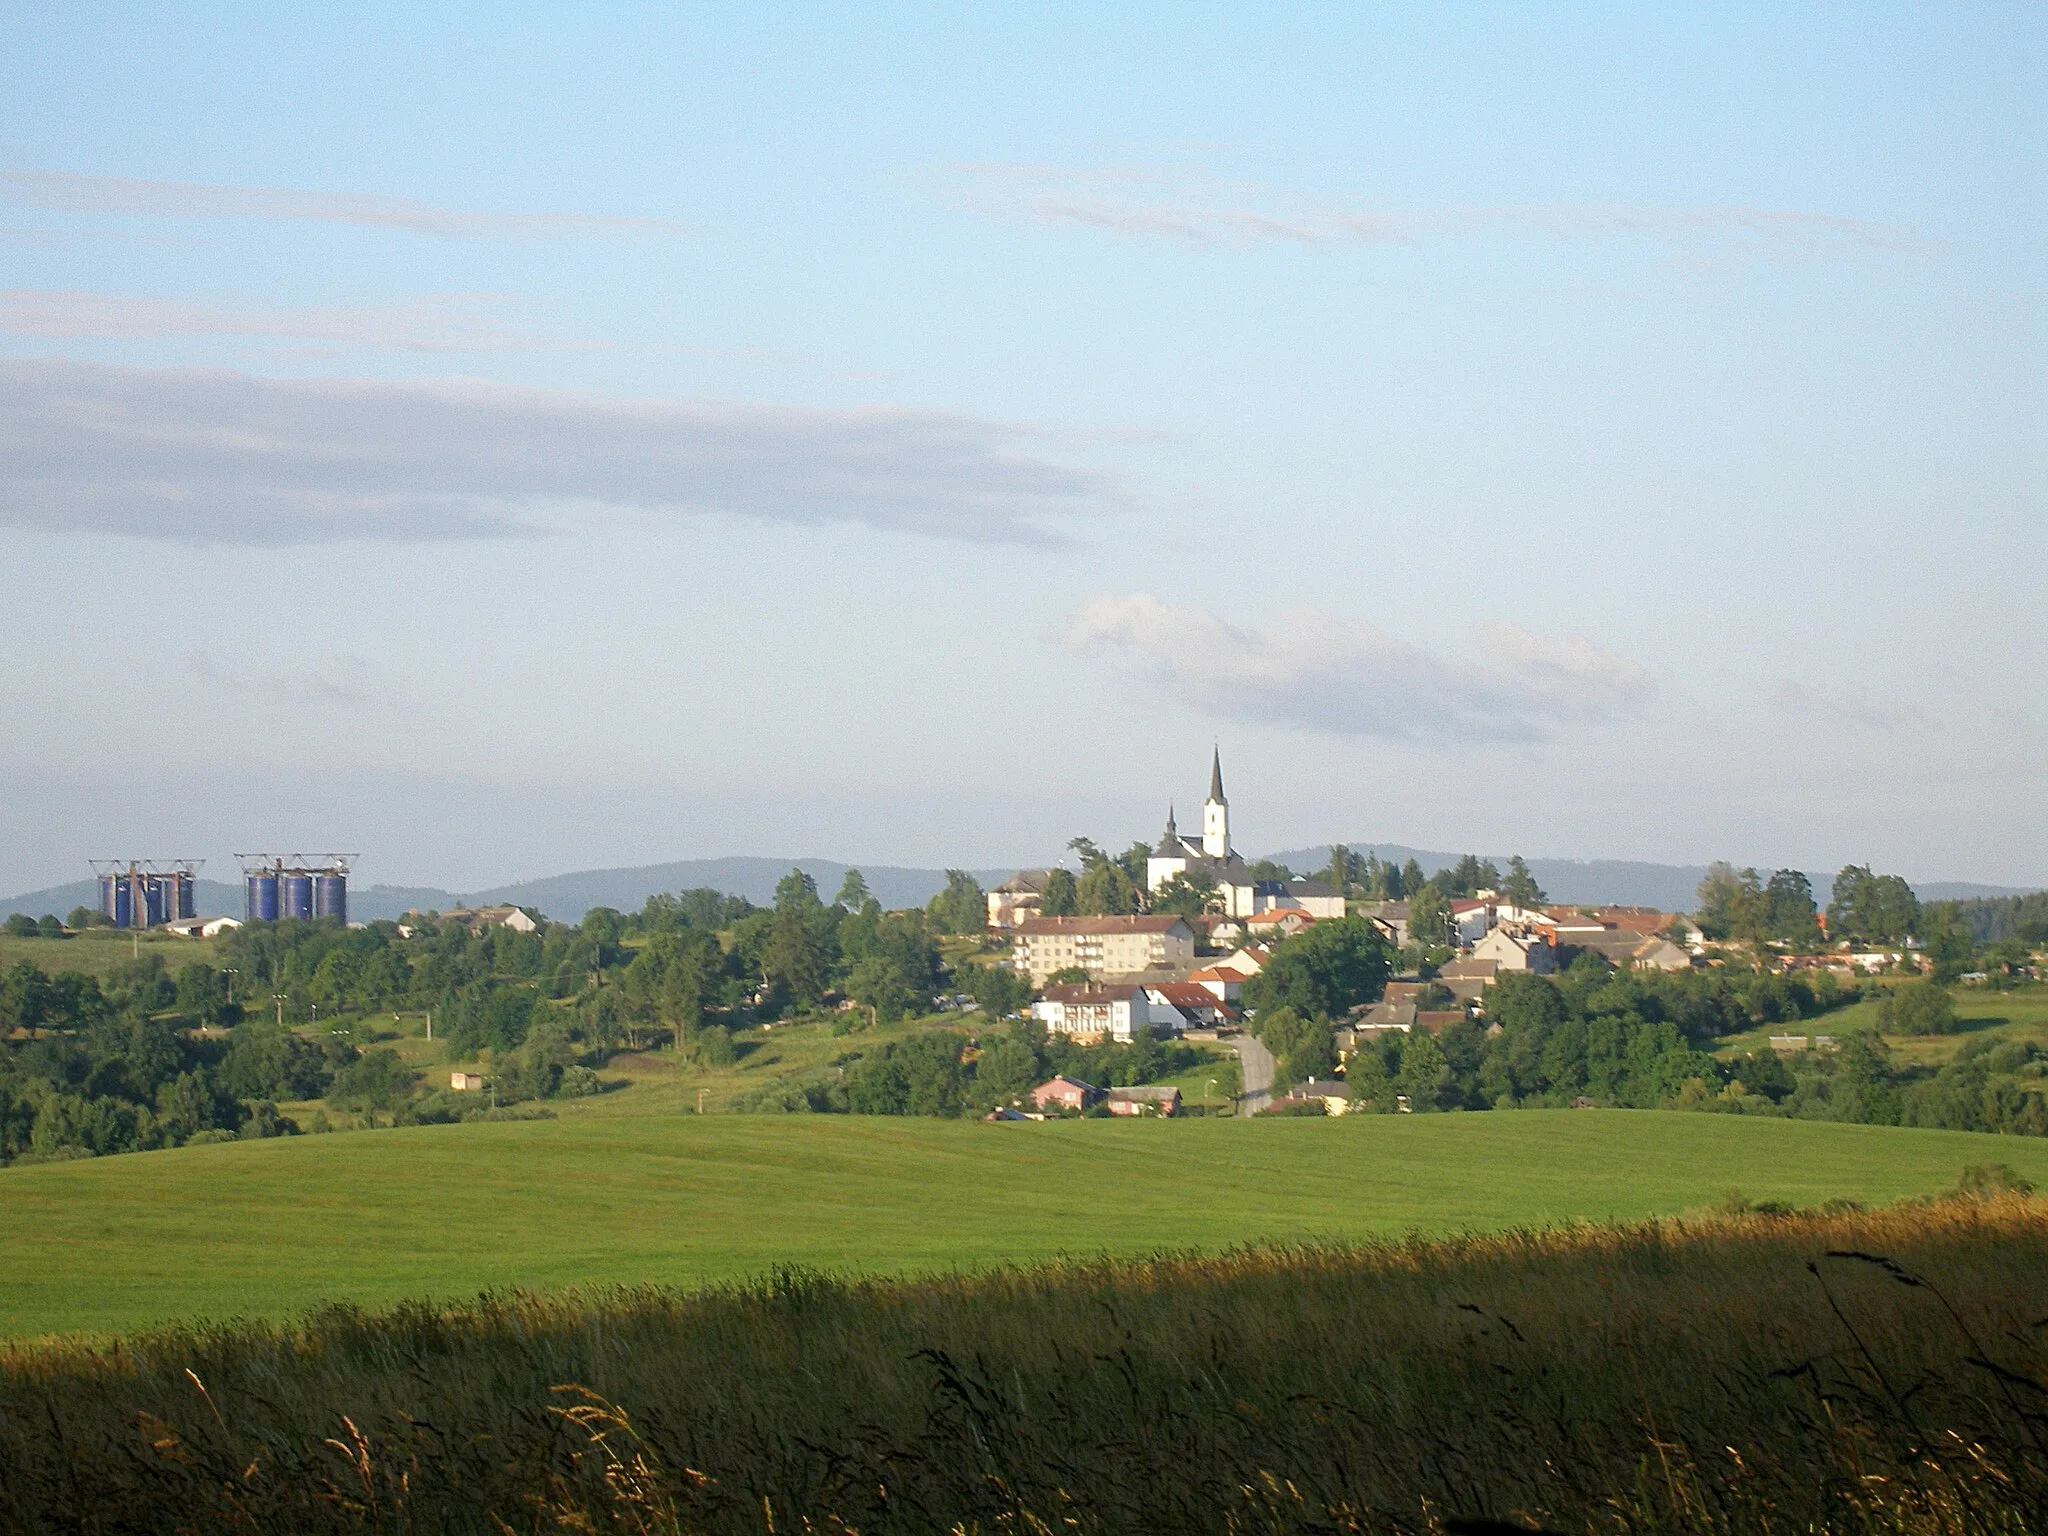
566	898
1626	883
570	896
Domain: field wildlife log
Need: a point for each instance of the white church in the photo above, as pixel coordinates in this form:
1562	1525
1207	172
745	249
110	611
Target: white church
1212	858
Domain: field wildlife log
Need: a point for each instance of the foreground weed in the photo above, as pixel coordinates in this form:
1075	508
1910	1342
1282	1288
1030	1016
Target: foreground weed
1841	1372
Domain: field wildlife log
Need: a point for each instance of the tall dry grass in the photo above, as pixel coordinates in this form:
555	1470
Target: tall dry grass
1855	1372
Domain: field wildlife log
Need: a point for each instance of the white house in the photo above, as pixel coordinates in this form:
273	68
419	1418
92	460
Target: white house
1120	1012
1017	899
202	927
476	919
1473	919
1515	952
1199	1007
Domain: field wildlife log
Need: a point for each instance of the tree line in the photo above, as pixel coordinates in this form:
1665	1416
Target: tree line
1642	1040
285	1012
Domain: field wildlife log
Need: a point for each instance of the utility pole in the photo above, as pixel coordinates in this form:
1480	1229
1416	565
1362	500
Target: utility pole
232	974
430	1024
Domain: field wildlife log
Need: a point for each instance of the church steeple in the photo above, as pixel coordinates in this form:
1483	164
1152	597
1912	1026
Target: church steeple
1216	812
1172	838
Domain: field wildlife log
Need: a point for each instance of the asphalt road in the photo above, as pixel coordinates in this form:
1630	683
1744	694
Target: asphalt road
1256	1062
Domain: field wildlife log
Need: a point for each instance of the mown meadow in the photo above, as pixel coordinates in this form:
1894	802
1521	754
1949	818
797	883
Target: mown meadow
265	1229
1835	1371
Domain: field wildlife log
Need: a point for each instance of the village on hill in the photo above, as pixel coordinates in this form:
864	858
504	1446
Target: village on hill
1203	921
1178	965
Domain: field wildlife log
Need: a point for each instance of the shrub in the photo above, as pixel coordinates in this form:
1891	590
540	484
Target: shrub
1918	1008
1986	1181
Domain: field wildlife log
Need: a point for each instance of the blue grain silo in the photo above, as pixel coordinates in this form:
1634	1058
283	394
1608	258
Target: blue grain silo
330	895
295	894
262	889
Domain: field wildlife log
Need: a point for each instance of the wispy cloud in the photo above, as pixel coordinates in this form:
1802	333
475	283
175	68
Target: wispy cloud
1850	707
427	325
70	192
1200	210
1315	670
210	457
343	680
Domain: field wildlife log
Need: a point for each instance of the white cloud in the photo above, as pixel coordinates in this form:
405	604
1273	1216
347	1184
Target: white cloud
209	457
1315	670
1201	210
69	192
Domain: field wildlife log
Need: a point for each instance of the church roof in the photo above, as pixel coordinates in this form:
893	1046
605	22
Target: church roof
1216	778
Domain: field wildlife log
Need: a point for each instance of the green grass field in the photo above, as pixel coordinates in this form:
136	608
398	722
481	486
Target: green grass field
265	1229
96	951
2020	1014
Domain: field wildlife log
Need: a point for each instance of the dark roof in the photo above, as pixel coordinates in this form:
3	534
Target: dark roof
1101	924
1328	1088
1216	776
1310	888
1076	992
1025	882
1148	1092
1192	994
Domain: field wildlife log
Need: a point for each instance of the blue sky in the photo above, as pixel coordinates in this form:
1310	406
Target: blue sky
500	441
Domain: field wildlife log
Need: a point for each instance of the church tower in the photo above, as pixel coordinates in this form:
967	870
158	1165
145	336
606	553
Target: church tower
1216	813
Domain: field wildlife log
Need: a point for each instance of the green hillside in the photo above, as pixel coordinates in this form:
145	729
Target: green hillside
268	1228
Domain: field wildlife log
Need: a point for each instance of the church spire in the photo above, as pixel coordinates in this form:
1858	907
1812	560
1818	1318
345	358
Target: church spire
1172	832
1216	813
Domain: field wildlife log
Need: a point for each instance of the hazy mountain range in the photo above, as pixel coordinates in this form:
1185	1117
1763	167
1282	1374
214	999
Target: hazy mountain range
567	897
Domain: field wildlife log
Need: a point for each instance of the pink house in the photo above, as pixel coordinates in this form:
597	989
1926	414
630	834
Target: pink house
1065	1093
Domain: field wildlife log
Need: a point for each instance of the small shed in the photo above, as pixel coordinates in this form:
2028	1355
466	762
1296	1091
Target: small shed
466	1082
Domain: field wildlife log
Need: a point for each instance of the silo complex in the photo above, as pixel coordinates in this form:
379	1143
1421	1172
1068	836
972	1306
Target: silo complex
296	888
144	893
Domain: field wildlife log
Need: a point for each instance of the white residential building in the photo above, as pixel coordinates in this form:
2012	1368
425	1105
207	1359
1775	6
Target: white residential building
1102	946
1120	1012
